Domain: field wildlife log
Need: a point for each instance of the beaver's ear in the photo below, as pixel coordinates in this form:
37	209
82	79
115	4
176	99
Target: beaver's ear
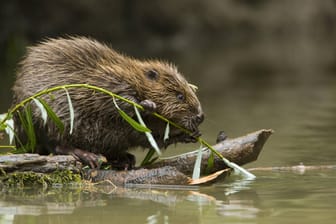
152	75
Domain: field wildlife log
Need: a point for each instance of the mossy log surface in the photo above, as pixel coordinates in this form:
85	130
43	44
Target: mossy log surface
174	170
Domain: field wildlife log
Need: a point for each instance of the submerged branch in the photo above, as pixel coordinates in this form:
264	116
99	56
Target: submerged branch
298	169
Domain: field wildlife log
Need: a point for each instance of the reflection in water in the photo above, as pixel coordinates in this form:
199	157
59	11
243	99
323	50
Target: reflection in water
157	218
71	202
238	209
267	198
240	201
237	186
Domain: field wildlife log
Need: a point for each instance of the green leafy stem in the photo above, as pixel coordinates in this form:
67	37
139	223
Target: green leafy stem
136	125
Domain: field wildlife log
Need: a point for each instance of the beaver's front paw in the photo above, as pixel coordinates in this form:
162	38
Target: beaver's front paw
88	158
148	105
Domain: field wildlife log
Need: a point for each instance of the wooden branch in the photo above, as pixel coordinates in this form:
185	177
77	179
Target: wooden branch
176	170
38	163
240	150
167	171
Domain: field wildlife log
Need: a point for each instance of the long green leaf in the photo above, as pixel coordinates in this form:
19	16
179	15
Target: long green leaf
8	126
24	126
10	130
136	125
71	110
52	115
148	134
240	170
133	123
166	134
148	157
235	167
197	167
211	162
44	114
30	128
22	121
3	124
3	127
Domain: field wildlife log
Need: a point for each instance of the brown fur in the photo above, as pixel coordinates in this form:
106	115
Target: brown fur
98	126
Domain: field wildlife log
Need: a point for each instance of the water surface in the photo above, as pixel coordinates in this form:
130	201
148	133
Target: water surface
298	102
278	197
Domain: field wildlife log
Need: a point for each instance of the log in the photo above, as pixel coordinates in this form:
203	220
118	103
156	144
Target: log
176	170
38	163
241	150
167	171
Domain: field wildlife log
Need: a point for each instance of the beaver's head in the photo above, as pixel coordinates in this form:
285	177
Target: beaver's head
174	97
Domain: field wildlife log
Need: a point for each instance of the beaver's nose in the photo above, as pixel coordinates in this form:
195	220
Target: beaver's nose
199	118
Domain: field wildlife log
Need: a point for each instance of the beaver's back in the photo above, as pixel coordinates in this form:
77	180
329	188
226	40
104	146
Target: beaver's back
78	60
63	61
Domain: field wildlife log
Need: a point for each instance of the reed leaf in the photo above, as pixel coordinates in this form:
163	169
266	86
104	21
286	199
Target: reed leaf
24	125
8	127
52	115
10	130
240	170
197	167
3	124
136	125
71	110
44	114
148	158
166	133
148	134
22	121
211	162
27	121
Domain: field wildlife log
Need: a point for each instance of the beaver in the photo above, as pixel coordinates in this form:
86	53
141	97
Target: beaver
98	128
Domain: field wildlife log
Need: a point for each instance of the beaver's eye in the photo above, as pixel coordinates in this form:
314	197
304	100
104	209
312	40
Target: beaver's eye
180	96
152	74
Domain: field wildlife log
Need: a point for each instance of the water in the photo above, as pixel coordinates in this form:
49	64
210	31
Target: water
296	100
275	197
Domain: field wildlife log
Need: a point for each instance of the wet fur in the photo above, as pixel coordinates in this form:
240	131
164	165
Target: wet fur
98	126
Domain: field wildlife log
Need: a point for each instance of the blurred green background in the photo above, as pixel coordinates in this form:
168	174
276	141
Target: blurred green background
216	43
